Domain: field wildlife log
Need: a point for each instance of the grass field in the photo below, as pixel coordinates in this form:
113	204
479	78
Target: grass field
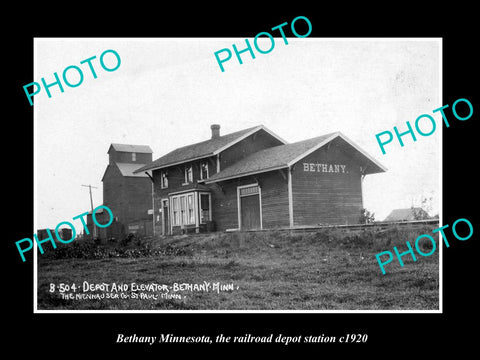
324	270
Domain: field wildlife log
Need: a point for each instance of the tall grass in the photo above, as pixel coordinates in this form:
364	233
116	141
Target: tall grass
329	268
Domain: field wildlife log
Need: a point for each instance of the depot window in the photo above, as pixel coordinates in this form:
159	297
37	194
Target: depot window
163	180
204	170
183	209
188	175
205	206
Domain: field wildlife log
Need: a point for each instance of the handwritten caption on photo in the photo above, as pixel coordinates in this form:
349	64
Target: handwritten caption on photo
147	291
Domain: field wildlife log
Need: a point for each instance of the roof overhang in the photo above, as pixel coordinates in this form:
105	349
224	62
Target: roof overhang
173	164
244	136
140	149
207	181
188	191
331	138
216	152
292	162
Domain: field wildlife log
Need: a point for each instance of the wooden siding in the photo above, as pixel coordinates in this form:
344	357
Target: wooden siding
176	178
253	143
327	197
129	198
274	201
224	205
126	157
140	227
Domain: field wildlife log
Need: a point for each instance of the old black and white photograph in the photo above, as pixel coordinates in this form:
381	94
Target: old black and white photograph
218	179
227	174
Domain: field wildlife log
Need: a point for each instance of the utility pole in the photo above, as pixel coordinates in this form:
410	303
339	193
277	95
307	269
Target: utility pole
91	204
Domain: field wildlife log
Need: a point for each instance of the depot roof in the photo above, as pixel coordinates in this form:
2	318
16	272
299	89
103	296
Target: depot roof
203	149
284	156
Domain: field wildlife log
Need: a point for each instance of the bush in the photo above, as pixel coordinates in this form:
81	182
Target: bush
399	235
355	239
112	240
425	245
128	239
366	217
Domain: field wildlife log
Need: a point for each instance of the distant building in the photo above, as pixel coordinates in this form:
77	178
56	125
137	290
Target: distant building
127	194
64	233
407	214
102	218
43	234
253	179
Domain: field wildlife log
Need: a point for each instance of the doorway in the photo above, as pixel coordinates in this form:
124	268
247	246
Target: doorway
250	207
165	218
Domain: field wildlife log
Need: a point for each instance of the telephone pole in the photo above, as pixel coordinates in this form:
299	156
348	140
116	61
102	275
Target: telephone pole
91	204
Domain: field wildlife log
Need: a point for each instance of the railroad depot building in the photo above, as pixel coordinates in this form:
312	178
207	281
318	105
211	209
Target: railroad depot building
253	179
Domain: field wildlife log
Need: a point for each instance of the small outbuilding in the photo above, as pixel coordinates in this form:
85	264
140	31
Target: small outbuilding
413	213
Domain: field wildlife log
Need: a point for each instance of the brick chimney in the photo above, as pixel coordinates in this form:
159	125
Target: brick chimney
215	131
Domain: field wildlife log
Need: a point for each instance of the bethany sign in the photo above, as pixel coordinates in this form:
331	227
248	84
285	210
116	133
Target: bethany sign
328	168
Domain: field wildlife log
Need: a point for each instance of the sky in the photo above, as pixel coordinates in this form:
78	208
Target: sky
168	91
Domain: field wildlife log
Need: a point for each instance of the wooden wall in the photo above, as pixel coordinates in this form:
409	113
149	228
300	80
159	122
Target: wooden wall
176	178
224	206
126	157
253	143
129	198
274	201
327	197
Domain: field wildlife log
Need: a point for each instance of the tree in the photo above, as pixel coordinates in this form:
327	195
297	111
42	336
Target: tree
366	217
421	212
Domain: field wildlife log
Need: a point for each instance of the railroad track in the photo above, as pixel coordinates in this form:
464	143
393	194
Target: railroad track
380	225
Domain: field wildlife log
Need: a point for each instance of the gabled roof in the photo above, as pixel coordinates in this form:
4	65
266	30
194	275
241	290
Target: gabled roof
406	214
204	149
283	156
126	169
130	148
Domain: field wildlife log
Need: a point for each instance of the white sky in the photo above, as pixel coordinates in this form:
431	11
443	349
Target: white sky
167	93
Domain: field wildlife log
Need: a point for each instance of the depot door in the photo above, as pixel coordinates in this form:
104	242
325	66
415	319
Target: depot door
250	207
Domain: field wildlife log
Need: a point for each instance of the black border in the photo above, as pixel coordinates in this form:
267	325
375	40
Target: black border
66	334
